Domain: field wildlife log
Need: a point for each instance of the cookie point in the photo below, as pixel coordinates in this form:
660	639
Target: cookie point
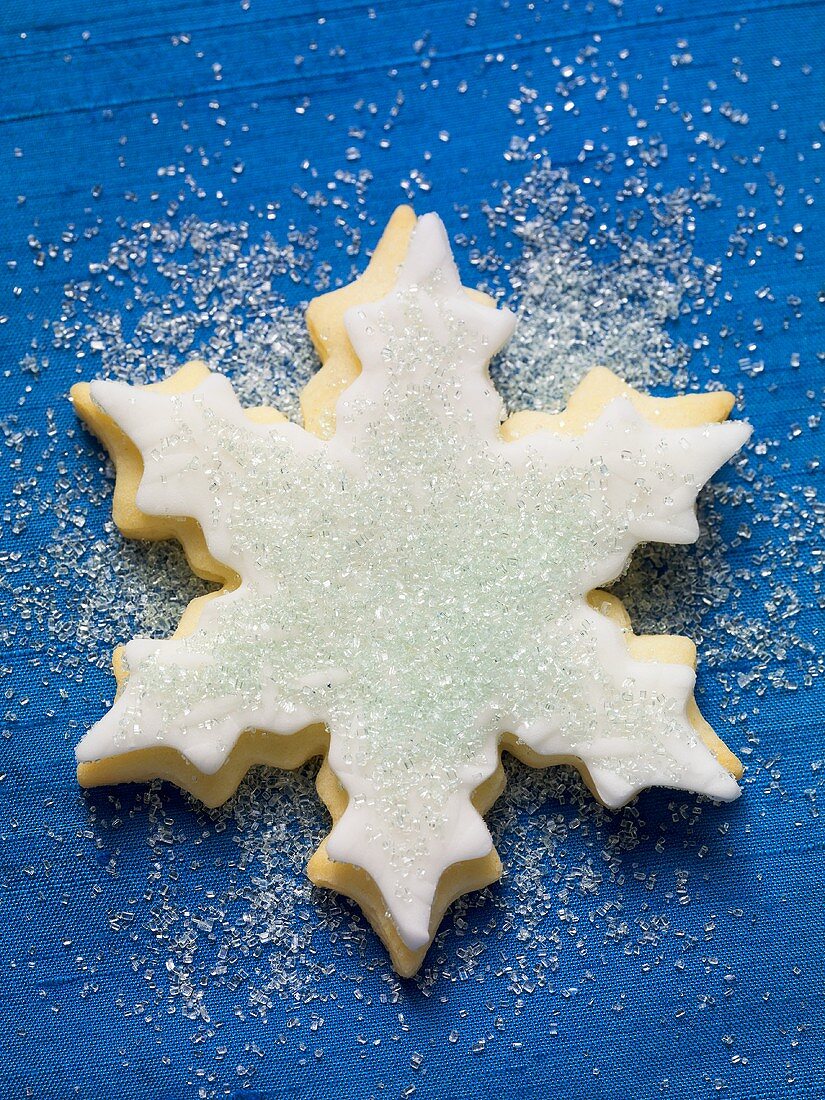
403	213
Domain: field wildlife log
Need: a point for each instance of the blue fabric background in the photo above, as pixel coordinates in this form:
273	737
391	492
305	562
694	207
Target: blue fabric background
757	913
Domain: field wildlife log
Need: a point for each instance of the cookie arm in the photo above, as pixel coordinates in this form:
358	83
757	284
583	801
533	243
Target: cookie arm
599	387
128	462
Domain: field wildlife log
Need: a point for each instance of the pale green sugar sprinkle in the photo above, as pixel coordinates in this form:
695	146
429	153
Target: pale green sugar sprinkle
439	583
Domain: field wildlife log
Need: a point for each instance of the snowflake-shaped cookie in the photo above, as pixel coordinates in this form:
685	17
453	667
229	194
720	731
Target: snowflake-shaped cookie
409	585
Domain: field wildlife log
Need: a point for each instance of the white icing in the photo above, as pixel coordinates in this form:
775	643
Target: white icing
416	583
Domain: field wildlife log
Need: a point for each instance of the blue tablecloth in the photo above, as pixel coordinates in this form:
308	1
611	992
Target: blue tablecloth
675	949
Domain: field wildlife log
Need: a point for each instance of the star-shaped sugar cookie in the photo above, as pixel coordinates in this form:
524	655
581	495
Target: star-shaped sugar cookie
410	584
